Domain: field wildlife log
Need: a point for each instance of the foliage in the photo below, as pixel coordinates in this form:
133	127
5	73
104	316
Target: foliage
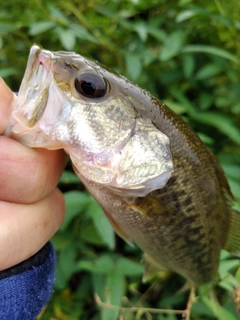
186	53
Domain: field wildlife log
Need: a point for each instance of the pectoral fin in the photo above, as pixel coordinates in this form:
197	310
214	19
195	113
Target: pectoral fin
152	207
118	229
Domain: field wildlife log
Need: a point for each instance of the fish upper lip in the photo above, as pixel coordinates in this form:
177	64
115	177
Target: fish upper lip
45	59
37	78
39	57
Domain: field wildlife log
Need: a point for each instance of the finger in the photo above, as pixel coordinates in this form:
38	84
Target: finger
27	175
7	98
24	229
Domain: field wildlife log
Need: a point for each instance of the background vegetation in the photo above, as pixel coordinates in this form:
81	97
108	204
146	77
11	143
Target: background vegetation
186	53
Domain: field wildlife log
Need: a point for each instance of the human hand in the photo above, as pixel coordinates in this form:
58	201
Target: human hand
31	207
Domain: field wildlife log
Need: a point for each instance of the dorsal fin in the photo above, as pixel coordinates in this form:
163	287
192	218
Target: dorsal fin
233	238
221	176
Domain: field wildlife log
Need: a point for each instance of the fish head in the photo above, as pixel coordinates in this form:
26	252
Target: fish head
67	101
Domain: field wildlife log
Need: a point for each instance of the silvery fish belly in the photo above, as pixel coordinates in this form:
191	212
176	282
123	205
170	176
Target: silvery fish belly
159	186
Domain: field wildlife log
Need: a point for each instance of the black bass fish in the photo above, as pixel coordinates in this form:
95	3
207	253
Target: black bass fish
157	183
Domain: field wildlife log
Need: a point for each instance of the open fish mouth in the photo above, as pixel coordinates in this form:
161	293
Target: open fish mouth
33	93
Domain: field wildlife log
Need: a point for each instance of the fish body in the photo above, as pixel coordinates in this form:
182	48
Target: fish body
157	183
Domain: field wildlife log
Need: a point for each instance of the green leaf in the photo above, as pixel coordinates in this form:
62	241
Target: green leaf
6	27
223	123
172	76
220	312
200	308
235	188
7	72
82	33
205	139
182	99
188	65
157	33
178	108
128	267
104	265
101	223
113	295
98	280
227	265
172	45
188	14
232	171
141	29
134	65
58	16
67	37
228	283
209	70
224	255
205	100
89	233
76	203
69	178
40	27
198	48
66	266
237	275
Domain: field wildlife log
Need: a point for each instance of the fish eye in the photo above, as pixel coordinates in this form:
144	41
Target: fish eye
90	85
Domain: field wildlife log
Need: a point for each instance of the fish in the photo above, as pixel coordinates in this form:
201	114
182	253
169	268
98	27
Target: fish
158	184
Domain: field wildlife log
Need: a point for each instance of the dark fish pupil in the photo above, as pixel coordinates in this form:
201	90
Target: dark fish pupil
88	87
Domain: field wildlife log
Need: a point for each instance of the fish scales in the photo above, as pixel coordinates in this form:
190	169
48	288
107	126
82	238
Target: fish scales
156	181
